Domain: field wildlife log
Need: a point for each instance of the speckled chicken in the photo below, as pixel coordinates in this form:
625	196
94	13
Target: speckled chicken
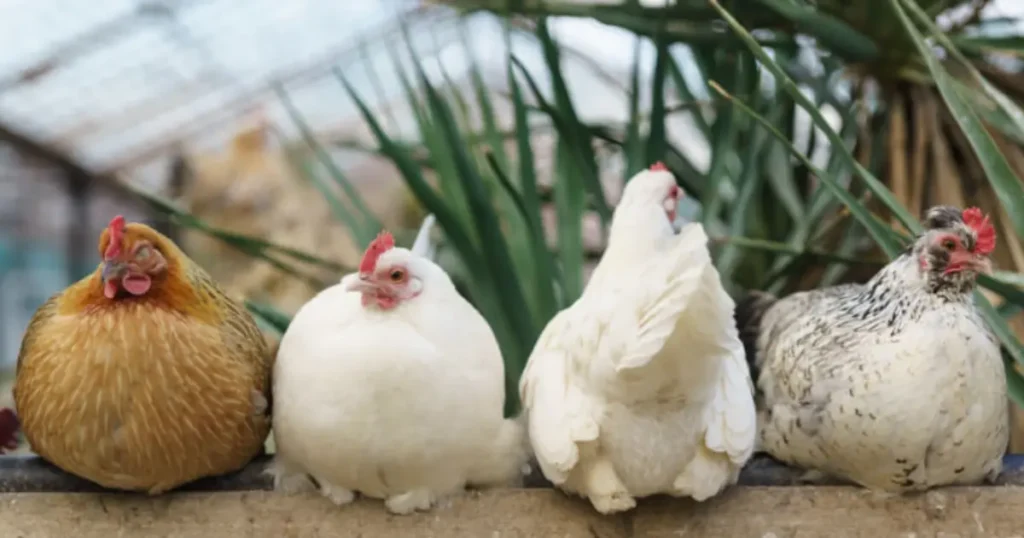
896	384
143	375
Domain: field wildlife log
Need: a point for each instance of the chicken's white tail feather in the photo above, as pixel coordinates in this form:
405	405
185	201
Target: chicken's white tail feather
668	288
730	418
423	246
503	465
559	415
706	475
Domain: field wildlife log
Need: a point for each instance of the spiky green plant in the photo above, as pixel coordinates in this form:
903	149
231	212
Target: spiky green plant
779	219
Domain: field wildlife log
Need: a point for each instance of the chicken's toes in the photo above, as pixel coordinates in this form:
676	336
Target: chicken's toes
293	483
604	488
337	495
813	476
410	501
619	501
706	475
160	488
289	479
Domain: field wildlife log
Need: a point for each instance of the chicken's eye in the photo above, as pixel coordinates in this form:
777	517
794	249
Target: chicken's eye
949	244
142	253
397	275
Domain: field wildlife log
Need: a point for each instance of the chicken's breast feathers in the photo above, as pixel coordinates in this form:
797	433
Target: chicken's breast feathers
35	328
643	317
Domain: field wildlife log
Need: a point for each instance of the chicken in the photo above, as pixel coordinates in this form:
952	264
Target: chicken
143	375
252	188
641	386
896	384
8	430
390	384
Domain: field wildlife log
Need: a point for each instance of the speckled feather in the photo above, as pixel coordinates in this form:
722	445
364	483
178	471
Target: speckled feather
896	384
145	393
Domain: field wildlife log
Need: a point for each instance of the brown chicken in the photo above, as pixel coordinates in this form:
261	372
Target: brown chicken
143	375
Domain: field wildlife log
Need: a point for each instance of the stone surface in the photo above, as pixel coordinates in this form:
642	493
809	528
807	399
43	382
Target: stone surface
756	512
32	474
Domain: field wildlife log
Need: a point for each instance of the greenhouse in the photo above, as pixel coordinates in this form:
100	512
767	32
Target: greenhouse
512	268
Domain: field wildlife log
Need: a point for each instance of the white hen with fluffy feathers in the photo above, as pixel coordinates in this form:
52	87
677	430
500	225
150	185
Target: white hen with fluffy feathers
641	387
403	404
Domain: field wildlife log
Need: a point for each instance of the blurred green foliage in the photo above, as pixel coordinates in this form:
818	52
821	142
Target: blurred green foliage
785	210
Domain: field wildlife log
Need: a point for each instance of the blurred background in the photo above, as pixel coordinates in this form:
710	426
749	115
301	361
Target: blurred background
273	139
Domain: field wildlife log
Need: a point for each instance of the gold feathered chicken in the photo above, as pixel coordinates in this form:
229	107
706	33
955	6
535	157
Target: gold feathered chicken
143	375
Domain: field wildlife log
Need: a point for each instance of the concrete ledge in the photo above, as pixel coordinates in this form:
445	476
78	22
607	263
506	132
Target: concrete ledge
762	512
25	474
38	500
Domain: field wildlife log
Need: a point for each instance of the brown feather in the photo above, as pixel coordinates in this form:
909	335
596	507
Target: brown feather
144	393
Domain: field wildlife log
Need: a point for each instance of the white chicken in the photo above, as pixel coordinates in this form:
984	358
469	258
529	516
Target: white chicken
641	386
390	384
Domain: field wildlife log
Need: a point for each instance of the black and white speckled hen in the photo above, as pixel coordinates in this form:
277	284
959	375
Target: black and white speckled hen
896	384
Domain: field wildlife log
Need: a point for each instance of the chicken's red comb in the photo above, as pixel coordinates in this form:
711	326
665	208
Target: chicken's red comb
116	227
383	243
8	430
658	167
979	222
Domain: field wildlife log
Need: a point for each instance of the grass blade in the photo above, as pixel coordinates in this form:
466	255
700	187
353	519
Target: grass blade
544	272
831	32
254	246
750	182
786	84
363	224
685	95
783	248
495	248
1014	383
1000	328
569	204
270	317
656	138
542	260
632	146
440	157
1004	181
414	178
578	137
724	131
881	234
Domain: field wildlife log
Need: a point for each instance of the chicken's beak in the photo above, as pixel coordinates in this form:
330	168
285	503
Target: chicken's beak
671	207
362	284
981	264
113	270
959	261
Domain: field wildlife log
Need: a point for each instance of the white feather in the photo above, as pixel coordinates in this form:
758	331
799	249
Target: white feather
641	386
423	246
404	405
